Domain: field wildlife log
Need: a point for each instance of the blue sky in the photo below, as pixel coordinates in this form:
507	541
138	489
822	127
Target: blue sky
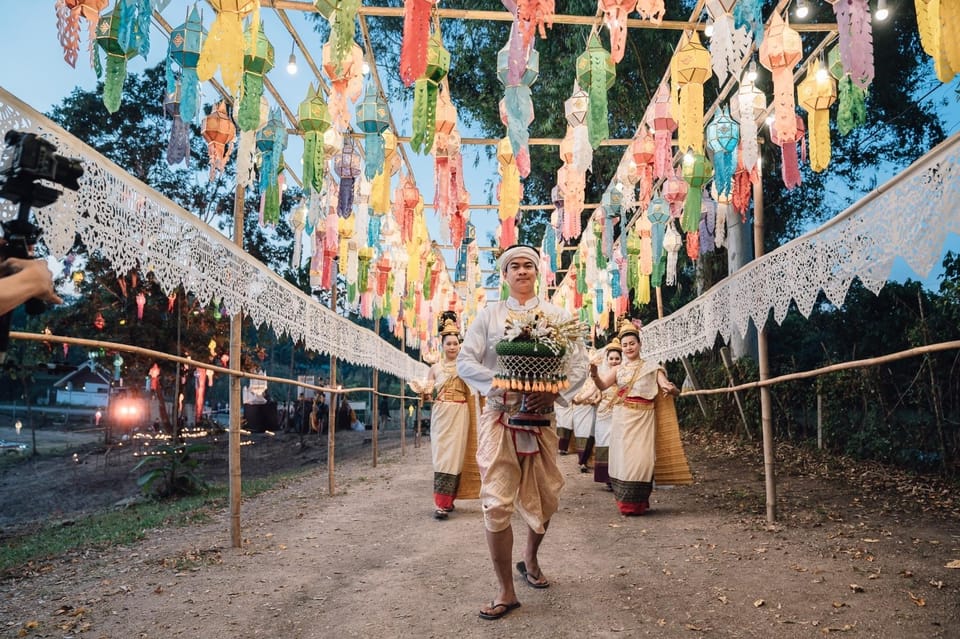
36	72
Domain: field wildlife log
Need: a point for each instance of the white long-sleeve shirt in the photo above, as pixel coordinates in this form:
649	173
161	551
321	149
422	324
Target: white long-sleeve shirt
477	361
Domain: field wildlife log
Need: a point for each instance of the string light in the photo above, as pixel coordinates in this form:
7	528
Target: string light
752	71
292	61
708	30
688	156
823	74
802	9
882	13
365	69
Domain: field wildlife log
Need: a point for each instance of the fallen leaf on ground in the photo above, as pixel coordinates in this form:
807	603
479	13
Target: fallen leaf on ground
758	603
856	587
953	564
917	600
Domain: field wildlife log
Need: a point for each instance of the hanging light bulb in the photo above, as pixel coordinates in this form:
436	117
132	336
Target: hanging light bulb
365	69
752	71
708	30
823	74
292	61
882	13
688	156
770	120
802	9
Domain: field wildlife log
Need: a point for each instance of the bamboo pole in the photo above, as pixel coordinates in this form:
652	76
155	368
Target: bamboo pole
335	399
728	365
833	368
375	399
236	337
763	362
403	396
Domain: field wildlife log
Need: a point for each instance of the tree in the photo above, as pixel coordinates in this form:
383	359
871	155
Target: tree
172	321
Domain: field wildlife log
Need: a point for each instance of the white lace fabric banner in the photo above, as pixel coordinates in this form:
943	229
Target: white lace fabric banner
133	226
909	217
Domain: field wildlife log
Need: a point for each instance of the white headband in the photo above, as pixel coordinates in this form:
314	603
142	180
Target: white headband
517	251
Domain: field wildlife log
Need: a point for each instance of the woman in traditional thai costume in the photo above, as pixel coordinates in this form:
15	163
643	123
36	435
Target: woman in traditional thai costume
633	430
453	428
584	413
613	355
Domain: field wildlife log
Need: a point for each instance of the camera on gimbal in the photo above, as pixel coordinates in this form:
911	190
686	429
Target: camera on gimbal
24	160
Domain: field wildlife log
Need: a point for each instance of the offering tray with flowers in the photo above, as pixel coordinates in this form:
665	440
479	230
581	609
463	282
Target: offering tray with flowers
530	359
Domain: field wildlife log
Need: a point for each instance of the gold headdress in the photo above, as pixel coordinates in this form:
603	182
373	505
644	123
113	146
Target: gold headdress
627	327
614	345
449	327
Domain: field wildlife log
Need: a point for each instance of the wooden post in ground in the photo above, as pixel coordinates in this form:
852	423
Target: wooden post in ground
375	414
334	401
728	365
403	396
236	337
763	362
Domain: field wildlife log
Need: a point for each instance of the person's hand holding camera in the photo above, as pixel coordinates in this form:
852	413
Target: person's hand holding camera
23	280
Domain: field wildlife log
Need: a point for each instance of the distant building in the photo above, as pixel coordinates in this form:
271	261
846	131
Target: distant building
89	385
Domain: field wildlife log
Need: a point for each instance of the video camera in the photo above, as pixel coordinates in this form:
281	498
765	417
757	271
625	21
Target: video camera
24	160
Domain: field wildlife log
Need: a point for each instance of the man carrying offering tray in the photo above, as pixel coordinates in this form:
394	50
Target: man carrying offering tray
522	354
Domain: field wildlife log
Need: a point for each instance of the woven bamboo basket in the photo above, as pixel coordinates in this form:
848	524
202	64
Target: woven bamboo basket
671	468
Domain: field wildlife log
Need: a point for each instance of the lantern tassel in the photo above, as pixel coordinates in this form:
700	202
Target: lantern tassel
856	40
249	113
597	125
416	31
68	29
178	148
113	83
852	111
424	115
345	197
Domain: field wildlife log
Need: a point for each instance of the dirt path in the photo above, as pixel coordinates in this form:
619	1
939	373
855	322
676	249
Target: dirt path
371	562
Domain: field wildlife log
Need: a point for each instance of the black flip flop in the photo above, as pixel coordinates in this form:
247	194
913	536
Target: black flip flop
503	609
440	514
529	578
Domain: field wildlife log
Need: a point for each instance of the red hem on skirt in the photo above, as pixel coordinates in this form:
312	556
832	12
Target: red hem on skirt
444	502
633	509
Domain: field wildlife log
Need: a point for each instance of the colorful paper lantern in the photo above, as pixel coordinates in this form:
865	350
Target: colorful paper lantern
596	74
643	150
224	46
816	94
652	10
343	29
723	137
313	117
425	95
672	242
728	44
674	191
346	164
852	109
346	81
271	142
178	147
856	39
697	171
780	52
690	69
258	59
184	51
937	38
517	70
380	188
533	16
663	127
745	106
790	163
509	192
575	109
219	131
108	29
416	35
372	119
69	14
615	14
659	215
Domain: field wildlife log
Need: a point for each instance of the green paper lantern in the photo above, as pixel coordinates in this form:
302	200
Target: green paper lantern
425	95
697	171
258	59
314	119
107	38
373	118
595	74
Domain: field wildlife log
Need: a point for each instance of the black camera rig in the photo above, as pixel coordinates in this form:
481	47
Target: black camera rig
24	160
